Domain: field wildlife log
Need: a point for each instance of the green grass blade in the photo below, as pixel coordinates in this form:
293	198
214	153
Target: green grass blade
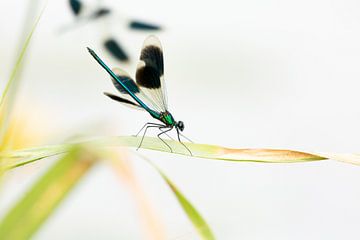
28	215
19	158
194	216
8	95
214	152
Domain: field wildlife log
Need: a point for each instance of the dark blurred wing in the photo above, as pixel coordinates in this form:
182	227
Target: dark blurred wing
134	88
124	101
101	12
75	6
137	25
115	49
126	80
150	73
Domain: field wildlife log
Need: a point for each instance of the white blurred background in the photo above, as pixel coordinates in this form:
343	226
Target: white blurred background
268	74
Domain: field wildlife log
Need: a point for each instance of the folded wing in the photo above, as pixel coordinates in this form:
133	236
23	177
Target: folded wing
134	88
150	73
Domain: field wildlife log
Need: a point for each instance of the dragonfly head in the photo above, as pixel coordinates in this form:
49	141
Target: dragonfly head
180	125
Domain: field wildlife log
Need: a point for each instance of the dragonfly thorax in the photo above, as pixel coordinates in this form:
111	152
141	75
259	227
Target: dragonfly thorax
167	118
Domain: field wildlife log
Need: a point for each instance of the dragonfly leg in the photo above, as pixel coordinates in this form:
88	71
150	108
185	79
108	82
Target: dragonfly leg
169	136
148	123
149	126
185	137
178	134
165	132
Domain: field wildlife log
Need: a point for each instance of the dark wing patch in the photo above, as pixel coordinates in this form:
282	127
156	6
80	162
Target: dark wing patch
143	26
126	80
120	99
75	6
153	56
100	13
151	68
148	77
115	49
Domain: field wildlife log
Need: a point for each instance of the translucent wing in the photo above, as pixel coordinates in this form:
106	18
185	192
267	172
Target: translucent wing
134	88
150	73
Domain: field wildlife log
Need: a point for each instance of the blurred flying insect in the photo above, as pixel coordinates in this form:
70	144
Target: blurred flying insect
79	10
148	92
85	13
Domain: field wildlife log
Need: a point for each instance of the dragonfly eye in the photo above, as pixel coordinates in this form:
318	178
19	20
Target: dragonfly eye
180	125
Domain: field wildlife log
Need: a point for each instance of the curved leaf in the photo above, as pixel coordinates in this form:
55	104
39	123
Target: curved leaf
215	152
27	216
197	220
8	95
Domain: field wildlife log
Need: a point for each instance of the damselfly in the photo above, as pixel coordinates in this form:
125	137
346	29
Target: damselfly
148	92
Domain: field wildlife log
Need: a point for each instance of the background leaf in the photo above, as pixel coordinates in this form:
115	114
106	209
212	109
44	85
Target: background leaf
196	219
8	95
30	212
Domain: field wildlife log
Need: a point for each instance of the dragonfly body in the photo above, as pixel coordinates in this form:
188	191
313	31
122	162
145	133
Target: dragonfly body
148	92
168	119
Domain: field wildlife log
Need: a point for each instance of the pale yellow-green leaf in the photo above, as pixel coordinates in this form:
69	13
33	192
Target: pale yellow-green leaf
32	210
194	216
8	95
214	152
